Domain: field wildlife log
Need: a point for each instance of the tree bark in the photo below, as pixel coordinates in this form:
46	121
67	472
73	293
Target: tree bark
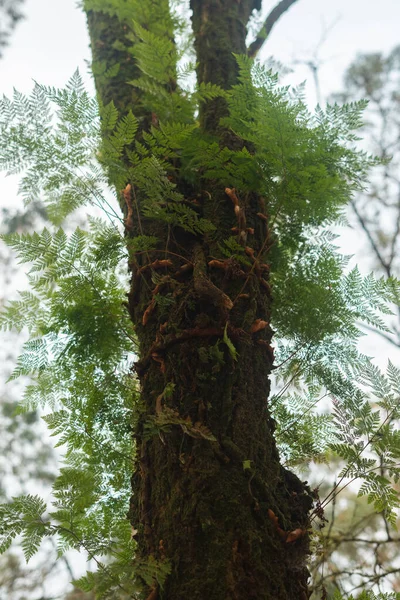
209	493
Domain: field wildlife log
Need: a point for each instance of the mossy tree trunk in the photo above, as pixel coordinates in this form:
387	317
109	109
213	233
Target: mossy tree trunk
209	493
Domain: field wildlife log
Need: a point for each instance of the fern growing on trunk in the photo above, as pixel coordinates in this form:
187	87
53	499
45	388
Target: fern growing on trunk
226	192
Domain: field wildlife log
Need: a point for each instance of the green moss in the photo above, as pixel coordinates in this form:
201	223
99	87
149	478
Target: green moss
193	502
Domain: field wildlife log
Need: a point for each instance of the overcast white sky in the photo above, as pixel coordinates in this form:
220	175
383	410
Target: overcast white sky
52	42
357	26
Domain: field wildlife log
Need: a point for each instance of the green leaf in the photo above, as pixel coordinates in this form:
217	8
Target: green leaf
230	346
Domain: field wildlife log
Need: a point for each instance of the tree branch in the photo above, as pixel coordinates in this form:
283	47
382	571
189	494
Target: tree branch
371	240
384	335
269	22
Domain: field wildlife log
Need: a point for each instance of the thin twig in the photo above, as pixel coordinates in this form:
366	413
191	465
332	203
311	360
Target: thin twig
382	334
371	240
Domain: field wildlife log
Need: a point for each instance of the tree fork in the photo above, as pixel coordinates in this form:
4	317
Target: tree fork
209	493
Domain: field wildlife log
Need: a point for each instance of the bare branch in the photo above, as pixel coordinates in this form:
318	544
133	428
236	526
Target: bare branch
382	334
371	240
396	233
314	62
270	21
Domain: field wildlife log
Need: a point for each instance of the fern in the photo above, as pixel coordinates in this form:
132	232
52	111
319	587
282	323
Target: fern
367	595
23	516
81	338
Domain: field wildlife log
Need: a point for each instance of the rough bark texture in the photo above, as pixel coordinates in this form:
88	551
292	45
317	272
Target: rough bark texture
209	493
104	30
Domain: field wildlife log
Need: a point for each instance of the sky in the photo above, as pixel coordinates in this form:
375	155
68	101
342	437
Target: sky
52	42
349	27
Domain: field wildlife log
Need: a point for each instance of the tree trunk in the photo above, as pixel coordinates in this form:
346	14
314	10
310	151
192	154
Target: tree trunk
209	493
